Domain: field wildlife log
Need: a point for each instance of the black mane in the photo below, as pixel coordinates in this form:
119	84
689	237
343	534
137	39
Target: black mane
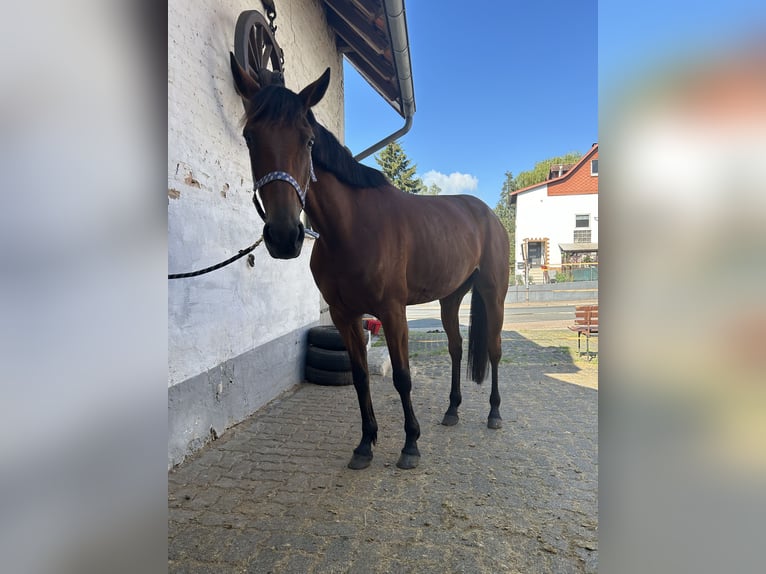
330	155
277	104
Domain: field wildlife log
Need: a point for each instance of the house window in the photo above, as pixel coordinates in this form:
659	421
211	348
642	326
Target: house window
582	220
594	167
582	236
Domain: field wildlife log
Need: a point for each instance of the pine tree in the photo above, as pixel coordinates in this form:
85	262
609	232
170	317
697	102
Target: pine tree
395	164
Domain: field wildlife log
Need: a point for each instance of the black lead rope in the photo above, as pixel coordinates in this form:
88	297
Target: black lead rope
239	255
268	178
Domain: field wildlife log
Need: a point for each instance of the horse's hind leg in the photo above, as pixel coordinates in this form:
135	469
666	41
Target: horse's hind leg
495	421
395	326
494	300
353	336
450	306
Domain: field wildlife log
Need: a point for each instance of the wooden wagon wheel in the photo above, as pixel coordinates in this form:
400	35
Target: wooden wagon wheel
257	50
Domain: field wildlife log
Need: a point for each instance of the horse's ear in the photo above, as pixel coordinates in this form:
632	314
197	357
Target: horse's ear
313	93
244	83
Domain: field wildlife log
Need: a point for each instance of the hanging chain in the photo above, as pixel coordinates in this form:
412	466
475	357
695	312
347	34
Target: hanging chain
271	13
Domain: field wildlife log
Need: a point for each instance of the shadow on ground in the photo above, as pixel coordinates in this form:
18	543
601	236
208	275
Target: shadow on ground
517	349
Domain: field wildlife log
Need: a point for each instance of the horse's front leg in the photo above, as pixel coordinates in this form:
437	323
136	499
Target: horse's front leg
350	328
395	328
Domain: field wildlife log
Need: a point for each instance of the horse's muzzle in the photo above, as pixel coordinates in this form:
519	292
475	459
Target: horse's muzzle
284	242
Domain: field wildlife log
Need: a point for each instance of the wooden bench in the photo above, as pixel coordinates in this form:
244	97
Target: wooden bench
586	324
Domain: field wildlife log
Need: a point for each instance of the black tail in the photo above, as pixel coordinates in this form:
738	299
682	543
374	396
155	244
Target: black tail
478	354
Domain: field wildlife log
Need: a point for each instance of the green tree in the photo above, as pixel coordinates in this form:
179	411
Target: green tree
506	212
540	172
395	164
433	189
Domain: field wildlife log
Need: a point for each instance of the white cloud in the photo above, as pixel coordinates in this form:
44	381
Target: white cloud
451	184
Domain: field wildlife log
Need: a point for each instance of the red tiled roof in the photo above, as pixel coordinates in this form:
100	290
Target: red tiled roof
564	177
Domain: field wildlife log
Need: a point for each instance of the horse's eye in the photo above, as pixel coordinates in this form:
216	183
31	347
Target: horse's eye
310	143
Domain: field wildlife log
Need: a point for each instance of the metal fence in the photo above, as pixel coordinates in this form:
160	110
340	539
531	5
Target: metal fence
550	292
564	273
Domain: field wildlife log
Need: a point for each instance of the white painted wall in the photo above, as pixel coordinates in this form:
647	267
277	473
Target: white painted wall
223	314
539	215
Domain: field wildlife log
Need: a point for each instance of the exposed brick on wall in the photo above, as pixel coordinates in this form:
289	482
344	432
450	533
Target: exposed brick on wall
579	180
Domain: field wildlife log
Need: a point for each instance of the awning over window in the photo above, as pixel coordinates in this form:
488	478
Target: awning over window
578	247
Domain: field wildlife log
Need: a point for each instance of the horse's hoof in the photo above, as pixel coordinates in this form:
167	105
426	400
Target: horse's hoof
359	461
407	461
494	423
450	420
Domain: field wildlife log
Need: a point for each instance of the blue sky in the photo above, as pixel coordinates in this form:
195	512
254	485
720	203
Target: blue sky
643	38
499	86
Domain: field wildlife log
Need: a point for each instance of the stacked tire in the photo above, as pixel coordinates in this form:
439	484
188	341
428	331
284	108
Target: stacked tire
327	361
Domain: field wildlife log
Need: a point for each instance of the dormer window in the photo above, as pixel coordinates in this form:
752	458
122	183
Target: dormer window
594	167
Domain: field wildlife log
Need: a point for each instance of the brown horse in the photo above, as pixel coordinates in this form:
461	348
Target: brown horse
379	249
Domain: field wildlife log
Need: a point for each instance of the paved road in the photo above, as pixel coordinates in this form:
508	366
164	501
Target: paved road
274	494
517	315
536	314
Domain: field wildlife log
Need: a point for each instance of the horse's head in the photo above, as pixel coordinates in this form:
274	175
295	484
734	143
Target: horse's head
279	135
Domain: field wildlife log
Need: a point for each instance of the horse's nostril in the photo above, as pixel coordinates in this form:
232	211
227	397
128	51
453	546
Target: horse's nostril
285	239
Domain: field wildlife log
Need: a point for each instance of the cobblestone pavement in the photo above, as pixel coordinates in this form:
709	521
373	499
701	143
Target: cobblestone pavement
274	494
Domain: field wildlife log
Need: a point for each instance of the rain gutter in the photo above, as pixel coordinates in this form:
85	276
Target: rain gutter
400	49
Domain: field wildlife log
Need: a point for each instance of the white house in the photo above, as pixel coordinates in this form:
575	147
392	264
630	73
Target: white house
236	336
557	220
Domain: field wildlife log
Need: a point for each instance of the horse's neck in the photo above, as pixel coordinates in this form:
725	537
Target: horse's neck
330	207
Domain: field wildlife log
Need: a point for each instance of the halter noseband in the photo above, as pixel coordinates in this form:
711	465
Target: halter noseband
284	176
